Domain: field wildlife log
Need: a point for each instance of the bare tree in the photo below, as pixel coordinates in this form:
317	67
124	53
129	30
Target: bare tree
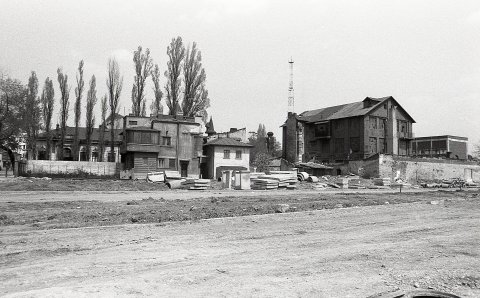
114	86
143	67
48	102
195	98
156	106
176	53
90	117
64	106
32	116
101	140
78	108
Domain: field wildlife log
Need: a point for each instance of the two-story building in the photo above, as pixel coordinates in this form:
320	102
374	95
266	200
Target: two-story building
348	132
224	154
160	143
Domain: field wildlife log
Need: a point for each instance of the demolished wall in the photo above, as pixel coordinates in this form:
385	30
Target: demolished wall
69	168
413	170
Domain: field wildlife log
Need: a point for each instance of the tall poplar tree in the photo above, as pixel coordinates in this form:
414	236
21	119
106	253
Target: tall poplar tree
114	86
64	106
48	102
195	96
143	67
156	107
90	117
176	54
32	116
78	108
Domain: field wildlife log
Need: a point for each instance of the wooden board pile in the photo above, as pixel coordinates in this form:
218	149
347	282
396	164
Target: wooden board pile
382	181
196	184
263	184
287	179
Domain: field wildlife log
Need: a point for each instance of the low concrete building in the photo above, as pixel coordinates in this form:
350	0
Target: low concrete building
446	146
225	154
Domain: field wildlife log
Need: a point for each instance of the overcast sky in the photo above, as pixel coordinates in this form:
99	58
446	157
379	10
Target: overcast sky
424	53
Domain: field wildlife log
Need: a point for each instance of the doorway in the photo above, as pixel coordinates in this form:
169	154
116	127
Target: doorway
184	168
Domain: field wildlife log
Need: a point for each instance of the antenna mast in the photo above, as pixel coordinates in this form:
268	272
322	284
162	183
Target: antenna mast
291	96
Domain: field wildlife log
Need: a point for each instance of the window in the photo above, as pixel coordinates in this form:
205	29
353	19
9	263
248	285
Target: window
382	145
142	137
339	146
167	141
373	145
238	154
321	130
162	163
382	123
226	154
355	144
131	122
373	122
172	163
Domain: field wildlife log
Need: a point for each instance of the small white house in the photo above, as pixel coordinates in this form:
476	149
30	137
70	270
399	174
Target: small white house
225	154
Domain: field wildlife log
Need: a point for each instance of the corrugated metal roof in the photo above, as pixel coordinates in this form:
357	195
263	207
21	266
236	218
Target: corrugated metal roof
342	111
227	142
353	109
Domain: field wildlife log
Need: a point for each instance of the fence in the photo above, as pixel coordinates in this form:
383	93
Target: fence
69	168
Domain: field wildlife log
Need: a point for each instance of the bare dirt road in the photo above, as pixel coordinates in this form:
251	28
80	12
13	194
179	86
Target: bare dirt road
345	252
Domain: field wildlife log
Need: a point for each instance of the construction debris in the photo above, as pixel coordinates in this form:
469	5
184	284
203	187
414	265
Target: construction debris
302	176
264	184
196	184
172	175
156	177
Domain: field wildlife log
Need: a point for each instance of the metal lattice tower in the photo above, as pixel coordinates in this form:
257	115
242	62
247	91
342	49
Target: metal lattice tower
291	93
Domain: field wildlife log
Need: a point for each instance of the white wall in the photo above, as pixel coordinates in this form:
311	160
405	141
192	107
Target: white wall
219	161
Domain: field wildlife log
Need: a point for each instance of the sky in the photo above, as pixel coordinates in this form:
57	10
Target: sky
426	54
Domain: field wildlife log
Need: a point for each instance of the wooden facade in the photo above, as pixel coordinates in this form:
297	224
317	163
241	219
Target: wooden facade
348	132
162	143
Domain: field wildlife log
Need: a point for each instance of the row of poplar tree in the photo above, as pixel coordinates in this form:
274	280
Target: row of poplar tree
23	110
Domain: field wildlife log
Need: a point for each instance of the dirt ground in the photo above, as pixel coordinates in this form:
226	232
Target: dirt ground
326	245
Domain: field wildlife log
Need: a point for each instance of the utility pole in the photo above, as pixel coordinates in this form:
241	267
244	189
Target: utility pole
291	93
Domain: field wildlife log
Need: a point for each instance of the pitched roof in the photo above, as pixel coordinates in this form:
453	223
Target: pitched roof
209	126
346	110
227	142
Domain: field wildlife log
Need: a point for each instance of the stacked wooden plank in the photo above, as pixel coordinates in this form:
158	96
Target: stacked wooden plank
196	184
255	175
382	181
284	178
264	184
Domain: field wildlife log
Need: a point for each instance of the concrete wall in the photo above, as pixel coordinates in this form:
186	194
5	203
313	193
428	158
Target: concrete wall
415	170
46	167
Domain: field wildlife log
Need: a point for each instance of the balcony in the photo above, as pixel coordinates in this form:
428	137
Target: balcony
405	135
